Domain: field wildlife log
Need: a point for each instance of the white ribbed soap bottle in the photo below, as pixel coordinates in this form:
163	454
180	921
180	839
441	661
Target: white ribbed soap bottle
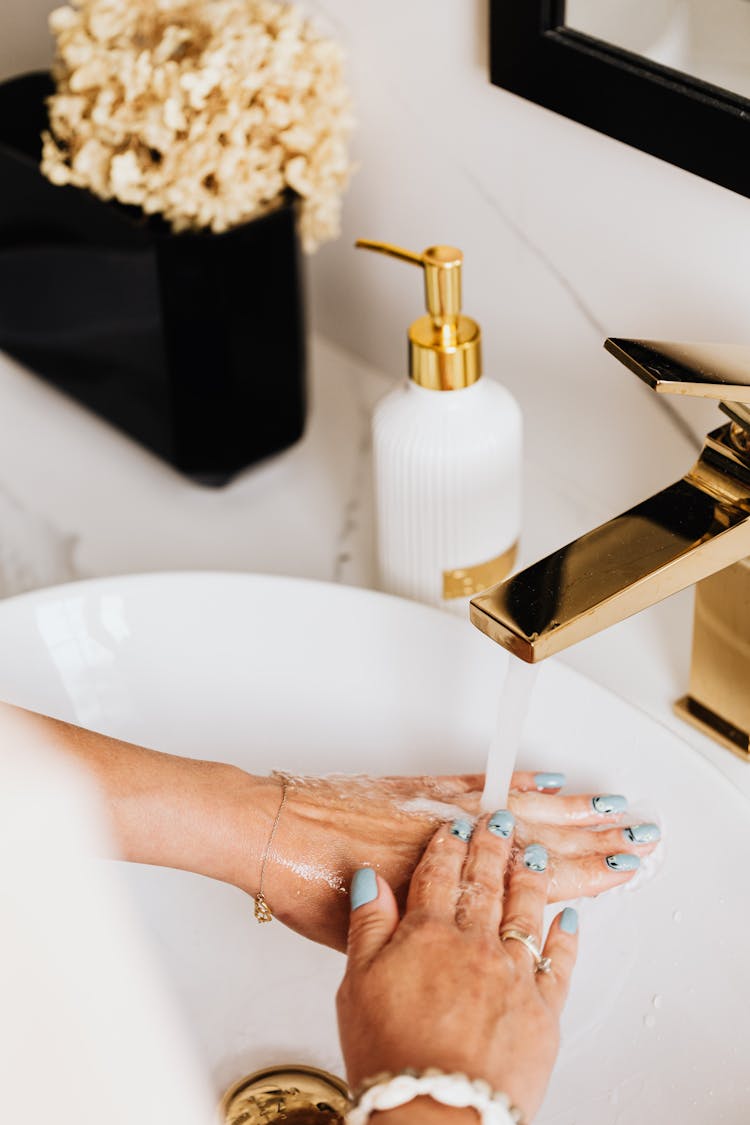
447	455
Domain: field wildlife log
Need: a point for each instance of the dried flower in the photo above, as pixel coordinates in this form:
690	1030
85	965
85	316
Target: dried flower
204	111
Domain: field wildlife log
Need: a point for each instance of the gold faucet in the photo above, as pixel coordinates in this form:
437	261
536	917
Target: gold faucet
695	531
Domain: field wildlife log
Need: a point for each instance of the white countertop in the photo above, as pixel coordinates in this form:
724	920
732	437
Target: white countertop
78	499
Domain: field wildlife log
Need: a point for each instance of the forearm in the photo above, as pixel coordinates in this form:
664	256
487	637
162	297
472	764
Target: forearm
206	817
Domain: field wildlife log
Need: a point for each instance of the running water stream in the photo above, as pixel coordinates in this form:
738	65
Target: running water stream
513	708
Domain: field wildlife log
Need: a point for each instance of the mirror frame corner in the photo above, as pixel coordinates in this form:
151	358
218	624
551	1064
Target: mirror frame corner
678	118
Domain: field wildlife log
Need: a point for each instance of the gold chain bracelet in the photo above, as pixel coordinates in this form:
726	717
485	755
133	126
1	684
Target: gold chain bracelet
262	909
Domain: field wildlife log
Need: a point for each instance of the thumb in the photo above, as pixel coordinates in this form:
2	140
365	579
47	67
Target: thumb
374	916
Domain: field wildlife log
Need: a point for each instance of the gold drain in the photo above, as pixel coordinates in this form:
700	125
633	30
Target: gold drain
299	1095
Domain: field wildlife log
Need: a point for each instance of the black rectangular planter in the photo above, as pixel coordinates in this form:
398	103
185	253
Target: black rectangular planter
194	344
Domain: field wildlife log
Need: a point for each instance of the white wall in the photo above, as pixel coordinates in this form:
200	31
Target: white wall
25	43
569	236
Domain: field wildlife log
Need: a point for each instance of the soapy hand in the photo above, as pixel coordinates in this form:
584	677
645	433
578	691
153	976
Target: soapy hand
332	826
217	820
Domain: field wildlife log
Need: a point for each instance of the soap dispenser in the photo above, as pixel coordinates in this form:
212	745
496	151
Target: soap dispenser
447	454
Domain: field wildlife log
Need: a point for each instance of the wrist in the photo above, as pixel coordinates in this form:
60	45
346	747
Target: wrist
244	819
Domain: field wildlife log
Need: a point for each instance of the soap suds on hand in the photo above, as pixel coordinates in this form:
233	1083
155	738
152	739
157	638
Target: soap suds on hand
435	810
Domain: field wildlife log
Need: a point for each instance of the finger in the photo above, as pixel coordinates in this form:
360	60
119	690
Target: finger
525	781
434	887
374	916
521	781
574	843
562	949
591	875
582	809
481	894
526	897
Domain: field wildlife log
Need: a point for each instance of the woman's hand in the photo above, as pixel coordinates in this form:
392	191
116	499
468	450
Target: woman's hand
217	820
331	826
440	988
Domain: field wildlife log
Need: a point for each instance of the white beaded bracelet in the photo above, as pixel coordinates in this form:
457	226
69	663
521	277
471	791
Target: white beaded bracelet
388	1091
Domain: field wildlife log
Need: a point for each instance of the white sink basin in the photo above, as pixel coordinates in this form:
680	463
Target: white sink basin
276	673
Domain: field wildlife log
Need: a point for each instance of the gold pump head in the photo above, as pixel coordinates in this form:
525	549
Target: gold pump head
445	348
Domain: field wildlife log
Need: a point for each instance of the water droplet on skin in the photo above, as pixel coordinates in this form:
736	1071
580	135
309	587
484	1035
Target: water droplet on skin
677	916
657	1001
649	1021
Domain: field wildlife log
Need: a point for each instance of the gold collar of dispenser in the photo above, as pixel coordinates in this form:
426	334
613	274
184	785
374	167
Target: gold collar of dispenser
445	348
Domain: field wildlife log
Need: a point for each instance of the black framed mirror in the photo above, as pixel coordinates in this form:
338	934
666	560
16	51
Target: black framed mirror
563	61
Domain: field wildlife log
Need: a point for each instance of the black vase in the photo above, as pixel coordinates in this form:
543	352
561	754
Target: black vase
194	344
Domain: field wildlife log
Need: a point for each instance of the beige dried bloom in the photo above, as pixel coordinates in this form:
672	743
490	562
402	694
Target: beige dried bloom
204	111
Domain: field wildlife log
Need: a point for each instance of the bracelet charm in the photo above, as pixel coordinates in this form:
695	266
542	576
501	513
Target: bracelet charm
262	909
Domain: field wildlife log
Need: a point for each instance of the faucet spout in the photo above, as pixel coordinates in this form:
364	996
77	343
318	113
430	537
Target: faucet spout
697	526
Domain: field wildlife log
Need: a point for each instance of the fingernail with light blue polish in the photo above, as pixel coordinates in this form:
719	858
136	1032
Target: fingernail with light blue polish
545	781
569	920
364	887
501	823
535	857
462	828
642	833
623	861
610	803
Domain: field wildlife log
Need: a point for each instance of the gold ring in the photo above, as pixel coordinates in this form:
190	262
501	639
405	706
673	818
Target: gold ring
541	964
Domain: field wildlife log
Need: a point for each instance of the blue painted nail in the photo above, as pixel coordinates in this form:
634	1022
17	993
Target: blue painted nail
463	829
535	857
623	861
609	804
569	920
642	833
501	823
549	781
364	887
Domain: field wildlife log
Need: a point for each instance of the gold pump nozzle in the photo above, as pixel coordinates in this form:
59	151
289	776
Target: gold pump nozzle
444	346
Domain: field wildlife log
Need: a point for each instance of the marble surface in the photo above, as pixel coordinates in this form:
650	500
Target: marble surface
78	499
